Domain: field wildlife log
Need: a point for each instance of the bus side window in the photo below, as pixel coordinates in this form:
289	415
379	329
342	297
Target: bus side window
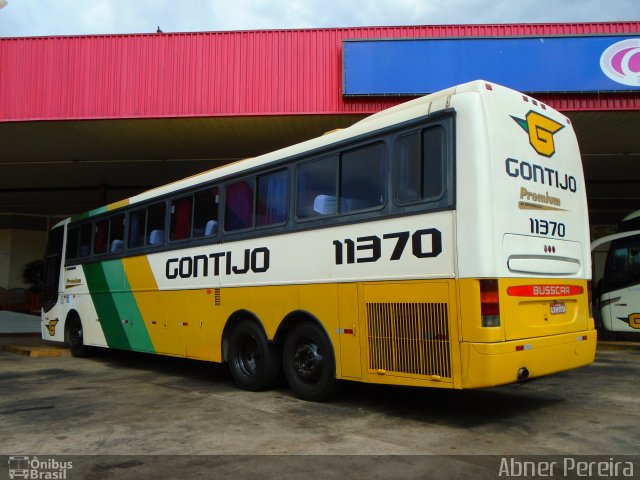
85	240
238	210
433	163
136	228
272	198
317	188
73	236
623	263
205	213
116	234
181	218
362	175
420	166
155	224
408	171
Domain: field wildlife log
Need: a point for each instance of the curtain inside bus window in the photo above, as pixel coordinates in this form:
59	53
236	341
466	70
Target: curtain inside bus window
136	228
238	211
362	178
317	187
272	198
100	237
181	218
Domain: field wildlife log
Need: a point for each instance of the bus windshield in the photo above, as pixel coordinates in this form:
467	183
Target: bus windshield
52	265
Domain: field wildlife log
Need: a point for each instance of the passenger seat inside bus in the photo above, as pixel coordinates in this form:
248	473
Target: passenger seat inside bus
324	204
211	228
117	246
156	237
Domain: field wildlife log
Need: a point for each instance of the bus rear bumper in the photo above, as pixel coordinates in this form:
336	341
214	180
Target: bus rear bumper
493	364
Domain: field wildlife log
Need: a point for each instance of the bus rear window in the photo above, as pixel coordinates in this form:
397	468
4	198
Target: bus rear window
420	167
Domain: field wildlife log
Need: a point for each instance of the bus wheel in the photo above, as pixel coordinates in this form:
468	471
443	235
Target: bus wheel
76	339
309	364
254	363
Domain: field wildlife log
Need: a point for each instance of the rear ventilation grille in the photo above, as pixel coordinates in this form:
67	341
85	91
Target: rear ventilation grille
409	338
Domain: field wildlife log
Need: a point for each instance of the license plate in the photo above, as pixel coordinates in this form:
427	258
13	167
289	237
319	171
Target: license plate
558	308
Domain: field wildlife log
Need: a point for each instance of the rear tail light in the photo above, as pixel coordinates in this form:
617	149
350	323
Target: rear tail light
489	303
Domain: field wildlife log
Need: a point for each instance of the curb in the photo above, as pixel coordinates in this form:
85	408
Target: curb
617	345
37	351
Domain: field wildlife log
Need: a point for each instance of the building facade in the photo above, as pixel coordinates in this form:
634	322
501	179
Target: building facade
88	120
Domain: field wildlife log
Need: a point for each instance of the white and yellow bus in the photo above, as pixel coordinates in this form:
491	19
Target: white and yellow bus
440	243
618	291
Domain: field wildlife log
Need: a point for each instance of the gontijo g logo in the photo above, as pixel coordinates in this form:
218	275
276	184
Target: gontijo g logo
540	130
621	62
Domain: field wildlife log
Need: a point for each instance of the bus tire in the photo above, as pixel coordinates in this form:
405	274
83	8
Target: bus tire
255	363
75	338
309	364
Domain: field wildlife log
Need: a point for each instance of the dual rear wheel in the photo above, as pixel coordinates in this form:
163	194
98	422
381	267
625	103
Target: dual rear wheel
307	360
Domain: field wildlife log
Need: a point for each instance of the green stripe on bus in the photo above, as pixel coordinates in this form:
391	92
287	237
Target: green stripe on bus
105	306
89	214
127	307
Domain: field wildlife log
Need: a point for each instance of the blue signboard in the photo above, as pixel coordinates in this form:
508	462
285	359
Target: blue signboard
529	64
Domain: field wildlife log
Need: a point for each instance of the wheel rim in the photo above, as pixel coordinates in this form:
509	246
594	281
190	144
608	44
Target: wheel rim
248	356
308	362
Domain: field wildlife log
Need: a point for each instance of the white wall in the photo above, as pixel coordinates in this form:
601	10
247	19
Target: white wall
5	257
17	248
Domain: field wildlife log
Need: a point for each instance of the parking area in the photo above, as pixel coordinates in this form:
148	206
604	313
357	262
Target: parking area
119	403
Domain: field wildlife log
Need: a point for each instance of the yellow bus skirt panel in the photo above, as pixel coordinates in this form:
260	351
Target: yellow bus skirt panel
493	364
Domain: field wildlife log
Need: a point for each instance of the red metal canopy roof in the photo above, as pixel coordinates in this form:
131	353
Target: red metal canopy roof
240	73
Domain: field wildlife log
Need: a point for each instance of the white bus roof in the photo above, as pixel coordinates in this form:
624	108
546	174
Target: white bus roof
405	111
